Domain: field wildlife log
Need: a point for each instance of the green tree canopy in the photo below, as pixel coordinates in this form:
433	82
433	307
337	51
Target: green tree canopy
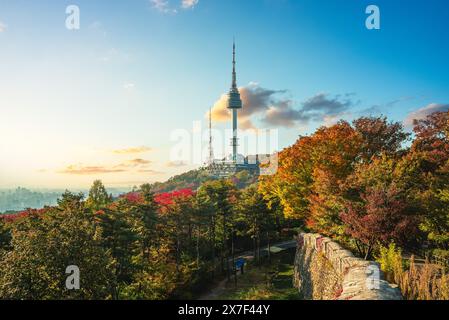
98	196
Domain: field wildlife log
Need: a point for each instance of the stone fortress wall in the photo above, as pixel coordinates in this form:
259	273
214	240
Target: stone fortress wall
326	271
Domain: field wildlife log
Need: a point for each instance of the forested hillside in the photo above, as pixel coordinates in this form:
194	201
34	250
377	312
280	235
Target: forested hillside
139	246
358	183
194	178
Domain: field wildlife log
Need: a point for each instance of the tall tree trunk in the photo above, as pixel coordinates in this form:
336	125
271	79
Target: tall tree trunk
177	254
178	246
190	233
234	269
222	268
255	248
213	245
254	235
224	245
269	247
198	247
359	249
369	250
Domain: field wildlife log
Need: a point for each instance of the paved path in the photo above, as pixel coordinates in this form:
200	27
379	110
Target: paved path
248	255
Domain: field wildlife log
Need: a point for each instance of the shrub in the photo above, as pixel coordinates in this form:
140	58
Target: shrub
391	262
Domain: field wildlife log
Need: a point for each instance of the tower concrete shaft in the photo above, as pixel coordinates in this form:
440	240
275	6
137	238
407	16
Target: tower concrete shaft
234	134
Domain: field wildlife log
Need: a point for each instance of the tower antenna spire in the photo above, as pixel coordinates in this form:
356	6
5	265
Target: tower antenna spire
234	74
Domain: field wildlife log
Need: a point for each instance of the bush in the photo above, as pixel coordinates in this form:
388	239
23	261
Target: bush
391	262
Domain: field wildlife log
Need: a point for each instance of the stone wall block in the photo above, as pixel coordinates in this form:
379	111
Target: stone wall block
325	270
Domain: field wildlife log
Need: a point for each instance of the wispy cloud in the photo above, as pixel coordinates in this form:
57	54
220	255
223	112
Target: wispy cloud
378	109
88	170
162	6
128	183
422	113
136	165
149	171
321	107
133	163
132	150
172	6
323	103
399	100
285	115
187	4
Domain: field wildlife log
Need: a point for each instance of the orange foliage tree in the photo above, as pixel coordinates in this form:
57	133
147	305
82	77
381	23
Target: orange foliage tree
311	183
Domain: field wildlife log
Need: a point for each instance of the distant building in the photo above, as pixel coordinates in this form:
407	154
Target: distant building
234	162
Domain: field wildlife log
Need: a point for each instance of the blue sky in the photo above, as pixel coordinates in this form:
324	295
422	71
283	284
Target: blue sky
102	101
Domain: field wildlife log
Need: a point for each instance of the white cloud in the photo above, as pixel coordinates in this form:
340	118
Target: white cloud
256	100
169	6
187	4
2	27
162	6
424	112
131	150
275	109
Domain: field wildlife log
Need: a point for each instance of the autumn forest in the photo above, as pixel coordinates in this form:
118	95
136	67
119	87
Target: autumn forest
381	192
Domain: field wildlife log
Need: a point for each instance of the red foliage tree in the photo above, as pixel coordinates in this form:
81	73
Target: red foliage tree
134	197
168	198
381	217
379	136
432	137
23	214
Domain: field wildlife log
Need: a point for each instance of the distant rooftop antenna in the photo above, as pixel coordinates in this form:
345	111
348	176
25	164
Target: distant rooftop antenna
211	150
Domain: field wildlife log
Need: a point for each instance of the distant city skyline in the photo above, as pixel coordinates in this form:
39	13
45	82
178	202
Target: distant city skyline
101	102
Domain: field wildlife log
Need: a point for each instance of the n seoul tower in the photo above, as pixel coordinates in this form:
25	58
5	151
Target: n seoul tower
234	104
